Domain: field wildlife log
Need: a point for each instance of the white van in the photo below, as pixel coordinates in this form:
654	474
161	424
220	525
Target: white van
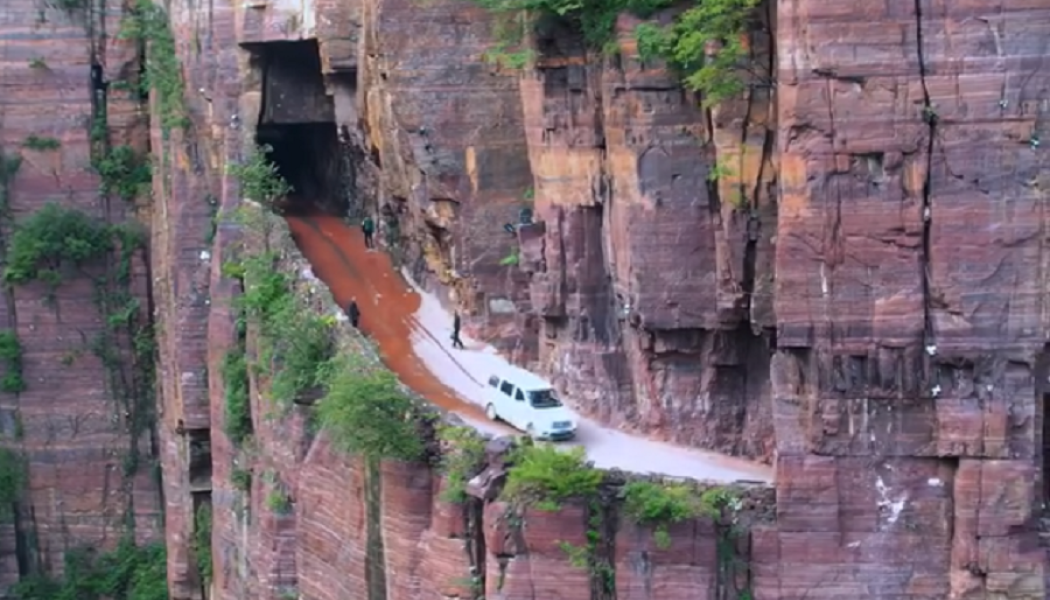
529	404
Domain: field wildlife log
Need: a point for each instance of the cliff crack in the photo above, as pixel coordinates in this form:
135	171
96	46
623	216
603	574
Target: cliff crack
930	117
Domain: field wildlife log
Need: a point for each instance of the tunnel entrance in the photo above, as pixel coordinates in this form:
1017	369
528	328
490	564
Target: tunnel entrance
307	156
297	119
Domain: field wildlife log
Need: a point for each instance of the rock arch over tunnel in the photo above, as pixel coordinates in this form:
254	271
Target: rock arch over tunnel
297	119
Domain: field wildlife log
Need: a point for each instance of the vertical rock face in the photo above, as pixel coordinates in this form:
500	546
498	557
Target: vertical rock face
857	295
910	372
82	421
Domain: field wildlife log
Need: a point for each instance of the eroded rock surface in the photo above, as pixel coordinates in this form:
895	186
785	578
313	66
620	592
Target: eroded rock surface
861	301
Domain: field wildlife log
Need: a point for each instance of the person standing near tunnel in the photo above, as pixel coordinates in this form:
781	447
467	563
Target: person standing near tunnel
456	342
353	312
368	227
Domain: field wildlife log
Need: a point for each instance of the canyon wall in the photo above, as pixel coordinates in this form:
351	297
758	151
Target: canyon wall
889	357
77	404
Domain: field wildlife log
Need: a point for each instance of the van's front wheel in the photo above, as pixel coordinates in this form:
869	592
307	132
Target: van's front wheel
490	412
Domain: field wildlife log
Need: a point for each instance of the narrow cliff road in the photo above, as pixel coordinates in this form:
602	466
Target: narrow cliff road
411	328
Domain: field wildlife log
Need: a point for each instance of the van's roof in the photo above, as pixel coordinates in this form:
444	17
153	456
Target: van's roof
526	380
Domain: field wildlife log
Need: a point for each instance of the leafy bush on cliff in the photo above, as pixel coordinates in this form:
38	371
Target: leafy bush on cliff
238	421
705	44
659	505
545	476
260	180
52	238
462	457
365	412
293	340
12	480
129	572
11	356
147	23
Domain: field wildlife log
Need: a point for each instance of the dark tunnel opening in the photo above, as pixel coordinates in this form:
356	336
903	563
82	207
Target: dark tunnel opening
297	120
307	156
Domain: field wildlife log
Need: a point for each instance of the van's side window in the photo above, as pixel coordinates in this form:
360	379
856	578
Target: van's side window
494	381
519	396
507	388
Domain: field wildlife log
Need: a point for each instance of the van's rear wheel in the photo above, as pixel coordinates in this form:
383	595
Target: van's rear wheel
530	431
490	412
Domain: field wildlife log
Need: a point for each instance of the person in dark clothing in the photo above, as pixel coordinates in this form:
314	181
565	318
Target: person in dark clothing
368	227
456	342
353	312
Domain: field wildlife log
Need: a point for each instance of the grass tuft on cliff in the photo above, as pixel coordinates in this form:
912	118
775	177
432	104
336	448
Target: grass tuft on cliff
705	44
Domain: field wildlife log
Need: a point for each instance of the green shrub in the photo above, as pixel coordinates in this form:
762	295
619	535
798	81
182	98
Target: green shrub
659	505
259	178
595	19
279	502
202	541
12	480
241	479
294	342
684	44
9	167
124	173
13	381
148	24
130	572
462	457
41	144
365	412
52	238
545	476
238	425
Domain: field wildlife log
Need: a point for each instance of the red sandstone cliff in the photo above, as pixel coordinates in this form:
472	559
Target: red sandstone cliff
872	316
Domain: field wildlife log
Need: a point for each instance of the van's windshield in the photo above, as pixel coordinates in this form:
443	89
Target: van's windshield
544	399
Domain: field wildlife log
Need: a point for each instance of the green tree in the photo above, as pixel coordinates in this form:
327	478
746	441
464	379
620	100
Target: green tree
705	45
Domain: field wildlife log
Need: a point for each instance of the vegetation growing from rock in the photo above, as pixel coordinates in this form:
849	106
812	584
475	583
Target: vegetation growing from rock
259	178
705	44
13	381
462	457
148	25
52	239
660	505
365	411
129	572
543	476
9	167
12	481
124	172
202	541
293	341
41	144
238	423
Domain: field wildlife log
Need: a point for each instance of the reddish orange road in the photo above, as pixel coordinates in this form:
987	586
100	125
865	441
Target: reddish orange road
339	259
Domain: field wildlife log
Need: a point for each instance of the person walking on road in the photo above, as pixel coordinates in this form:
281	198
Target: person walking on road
456	342
353	312
368	227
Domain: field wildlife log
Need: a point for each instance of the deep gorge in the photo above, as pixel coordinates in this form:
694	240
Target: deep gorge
839	272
